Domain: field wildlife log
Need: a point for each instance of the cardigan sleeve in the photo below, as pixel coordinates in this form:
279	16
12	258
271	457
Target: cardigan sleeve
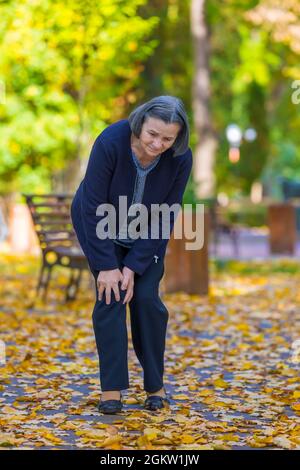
143	250
100	252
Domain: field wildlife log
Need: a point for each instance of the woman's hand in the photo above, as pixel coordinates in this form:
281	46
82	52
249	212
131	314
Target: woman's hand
107	281
128	283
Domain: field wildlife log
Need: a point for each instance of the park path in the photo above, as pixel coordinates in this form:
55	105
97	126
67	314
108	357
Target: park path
231	371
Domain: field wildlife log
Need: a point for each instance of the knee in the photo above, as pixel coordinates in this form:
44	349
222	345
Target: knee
149	298
141	295
106	311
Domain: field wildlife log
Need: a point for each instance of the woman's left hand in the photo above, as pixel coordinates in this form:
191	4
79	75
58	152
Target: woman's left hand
127	283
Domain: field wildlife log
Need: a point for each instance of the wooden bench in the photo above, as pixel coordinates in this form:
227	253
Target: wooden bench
58	242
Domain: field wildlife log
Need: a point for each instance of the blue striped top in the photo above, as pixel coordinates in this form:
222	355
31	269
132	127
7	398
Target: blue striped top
139	186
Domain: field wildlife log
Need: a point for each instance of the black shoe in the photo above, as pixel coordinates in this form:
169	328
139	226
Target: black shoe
156	402
110	406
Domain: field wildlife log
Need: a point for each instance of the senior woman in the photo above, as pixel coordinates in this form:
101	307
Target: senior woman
147	159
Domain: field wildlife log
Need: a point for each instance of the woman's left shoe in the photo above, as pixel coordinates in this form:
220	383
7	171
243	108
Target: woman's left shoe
156	402
110	406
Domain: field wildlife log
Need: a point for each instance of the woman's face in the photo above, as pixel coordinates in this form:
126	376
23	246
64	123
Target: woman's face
157	136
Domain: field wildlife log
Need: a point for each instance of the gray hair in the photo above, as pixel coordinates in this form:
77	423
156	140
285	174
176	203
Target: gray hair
170	110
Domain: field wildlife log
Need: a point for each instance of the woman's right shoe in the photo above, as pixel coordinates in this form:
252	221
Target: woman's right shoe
110	406
156	402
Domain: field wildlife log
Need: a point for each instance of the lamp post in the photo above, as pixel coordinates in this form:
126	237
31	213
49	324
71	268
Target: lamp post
235	136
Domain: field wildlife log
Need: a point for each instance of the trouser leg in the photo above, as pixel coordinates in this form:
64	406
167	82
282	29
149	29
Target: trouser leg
109	322
149	318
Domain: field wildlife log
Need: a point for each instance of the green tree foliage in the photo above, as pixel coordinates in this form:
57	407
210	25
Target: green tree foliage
266	51
254	58
69	67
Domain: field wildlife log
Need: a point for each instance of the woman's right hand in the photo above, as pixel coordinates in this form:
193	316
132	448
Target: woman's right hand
108	281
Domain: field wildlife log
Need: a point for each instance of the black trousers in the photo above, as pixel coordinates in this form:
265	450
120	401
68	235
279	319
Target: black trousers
148	318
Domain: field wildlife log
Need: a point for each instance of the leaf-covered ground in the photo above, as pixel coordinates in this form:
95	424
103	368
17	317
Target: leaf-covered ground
230	367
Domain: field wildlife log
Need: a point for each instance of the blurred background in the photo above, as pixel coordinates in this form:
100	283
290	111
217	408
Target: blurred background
70	68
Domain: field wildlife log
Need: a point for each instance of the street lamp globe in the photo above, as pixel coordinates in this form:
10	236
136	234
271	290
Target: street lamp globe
250	134
234	135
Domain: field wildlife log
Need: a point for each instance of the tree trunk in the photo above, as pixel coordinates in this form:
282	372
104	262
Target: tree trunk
207	144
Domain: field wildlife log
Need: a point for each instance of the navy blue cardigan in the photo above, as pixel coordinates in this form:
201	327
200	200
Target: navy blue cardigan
111	173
